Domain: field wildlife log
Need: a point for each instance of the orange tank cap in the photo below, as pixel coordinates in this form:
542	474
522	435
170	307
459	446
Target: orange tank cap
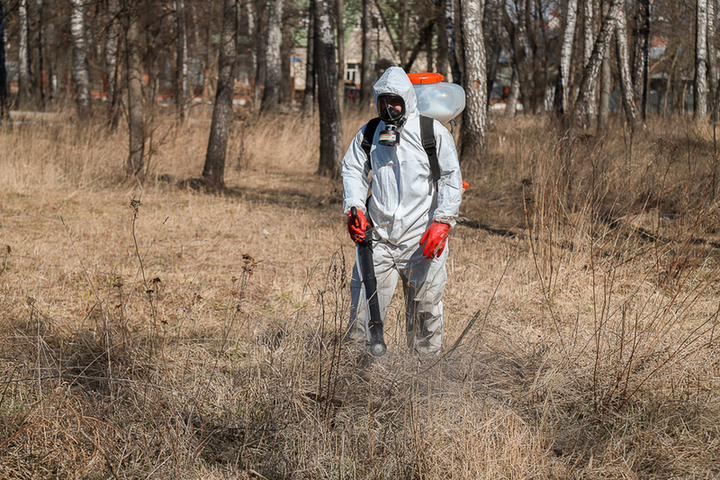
423	78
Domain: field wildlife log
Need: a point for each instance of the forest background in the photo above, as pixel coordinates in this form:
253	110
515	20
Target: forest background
174	270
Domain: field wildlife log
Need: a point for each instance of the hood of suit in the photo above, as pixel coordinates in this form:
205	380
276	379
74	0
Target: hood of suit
396	82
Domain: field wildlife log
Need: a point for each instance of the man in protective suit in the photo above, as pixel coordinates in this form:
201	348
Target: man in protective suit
410	213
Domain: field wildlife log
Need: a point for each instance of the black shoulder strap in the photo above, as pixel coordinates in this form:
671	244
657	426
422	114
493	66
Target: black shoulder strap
427	133
368	135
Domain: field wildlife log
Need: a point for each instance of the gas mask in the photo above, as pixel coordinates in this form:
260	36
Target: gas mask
393	117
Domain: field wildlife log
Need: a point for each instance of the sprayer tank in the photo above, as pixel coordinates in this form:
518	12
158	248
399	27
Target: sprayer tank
442	101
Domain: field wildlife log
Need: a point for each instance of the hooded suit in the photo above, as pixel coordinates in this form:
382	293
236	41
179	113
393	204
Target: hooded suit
404	201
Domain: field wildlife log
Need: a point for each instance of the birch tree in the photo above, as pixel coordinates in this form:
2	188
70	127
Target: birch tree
623	60
136	128
23	52
712	56
331	141
592	69
253	21
605	82
701	60
641	54
588	44
214	169
563	79
81	69
473	133
271	95
511	104
4	111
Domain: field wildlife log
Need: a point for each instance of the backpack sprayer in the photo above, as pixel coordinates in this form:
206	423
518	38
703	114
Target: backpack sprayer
436	99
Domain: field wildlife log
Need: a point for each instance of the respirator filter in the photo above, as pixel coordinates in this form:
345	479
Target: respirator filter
389	137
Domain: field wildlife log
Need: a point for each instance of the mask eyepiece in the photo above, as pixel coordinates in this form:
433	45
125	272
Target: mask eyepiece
391	109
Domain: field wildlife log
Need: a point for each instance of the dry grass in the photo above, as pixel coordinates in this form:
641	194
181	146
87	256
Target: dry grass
151	331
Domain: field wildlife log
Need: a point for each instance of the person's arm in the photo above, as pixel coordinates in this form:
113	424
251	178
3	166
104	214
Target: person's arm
450	185
355	172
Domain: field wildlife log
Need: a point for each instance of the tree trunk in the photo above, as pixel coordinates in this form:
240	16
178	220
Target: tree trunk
492	31
442	40
671	81
701	60
563	82
112	39
511	104
520	52
254	30
4	104
473	131
366	80
588	30
181	61
214	169
261	42
588	44
712	56
133	37
591	72
286	54
37	65
641	52
271	95
339	9
624	69
451	33
429	51
538	42
23	53
331	141
403	33
605	82
81	71
309	98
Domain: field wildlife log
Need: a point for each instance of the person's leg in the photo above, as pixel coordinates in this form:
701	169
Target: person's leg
423	286
386	275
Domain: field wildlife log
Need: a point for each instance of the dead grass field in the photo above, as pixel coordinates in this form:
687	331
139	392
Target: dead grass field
150	331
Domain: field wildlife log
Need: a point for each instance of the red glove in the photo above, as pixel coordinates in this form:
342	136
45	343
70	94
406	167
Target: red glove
436	234
357	226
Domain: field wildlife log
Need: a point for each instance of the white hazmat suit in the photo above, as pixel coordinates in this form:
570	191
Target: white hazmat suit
404	201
